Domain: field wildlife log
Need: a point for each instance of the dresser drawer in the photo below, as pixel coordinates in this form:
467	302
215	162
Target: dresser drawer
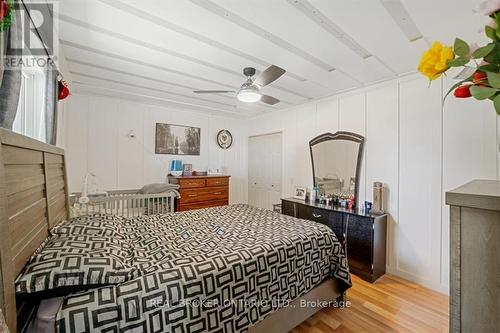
191	183
334	220
313	214
203	194
217	181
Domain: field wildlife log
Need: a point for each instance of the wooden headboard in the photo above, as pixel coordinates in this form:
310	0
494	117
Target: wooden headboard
33	199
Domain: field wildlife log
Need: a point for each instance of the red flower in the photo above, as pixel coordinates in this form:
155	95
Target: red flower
462	91
479	77
4	9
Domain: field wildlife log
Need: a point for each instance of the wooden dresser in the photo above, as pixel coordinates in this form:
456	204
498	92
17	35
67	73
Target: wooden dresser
201	191
363	235
474	257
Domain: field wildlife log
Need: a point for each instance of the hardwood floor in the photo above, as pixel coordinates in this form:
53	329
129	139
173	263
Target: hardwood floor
389	305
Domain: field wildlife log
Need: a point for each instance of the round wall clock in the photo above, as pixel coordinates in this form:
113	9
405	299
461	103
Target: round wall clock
224	139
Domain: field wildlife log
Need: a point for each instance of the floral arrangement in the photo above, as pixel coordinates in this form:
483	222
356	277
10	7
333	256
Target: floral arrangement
5	14
481	65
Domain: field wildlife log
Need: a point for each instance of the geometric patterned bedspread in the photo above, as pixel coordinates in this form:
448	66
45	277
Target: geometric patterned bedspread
219	269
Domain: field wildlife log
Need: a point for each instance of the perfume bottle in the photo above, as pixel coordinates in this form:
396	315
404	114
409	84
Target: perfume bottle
313	195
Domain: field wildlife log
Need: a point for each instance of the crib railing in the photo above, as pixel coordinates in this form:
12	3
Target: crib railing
128	203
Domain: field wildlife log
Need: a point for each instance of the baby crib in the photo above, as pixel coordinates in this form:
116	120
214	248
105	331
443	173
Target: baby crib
126	203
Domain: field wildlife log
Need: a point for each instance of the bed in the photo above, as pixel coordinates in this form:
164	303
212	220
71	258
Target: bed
235	268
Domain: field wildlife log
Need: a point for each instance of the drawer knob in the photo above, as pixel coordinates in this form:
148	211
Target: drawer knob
317	215
217	193
192	195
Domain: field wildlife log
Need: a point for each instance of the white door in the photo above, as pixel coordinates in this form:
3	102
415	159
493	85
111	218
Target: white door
264	170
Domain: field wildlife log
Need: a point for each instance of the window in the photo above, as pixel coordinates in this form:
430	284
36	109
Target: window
30	116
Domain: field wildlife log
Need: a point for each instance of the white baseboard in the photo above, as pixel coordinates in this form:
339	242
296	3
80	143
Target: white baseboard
434	285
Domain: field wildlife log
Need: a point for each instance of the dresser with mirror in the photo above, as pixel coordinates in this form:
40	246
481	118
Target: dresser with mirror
336	164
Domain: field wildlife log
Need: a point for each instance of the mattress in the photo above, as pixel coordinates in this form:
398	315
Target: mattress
209	270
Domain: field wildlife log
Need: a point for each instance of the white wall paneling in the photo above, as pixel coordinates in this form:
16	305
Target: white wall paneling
382	151
418	232
97	139
75	142
413	147
102	153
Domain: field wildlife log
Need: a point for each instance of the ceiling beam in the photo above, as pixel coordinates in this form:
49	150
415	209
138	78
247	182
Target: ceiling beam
138	12
324	22
133	85
403	19
247	25
109	69
164	50
139	62
81	87
112	70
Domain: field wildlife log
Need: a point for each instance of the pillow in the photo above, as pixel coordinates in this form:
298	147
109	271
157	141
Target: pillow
157	188
92	225
84	251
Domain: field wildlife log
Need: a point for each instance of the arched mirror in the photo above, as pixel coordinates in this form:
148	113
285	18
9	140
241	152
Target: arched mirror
336	163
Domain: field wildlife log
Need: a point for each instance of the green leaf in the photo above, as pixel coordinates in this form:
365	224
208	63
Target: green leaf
496	103
483	51
461	48
481	93
493	79
491	33
458	62
497	20
489	68
493	57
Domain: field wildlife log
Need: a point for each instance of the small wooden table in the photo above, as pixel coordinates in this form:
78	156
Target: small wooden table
201	191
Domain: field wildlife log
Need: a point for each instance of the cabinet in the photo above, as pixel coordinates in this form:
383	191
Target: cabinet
362	235
474	260
201	191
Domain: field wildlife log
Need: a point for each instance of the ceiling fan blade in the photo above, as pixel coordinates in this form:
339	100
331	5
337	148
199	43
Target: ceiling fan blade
213	91
269	100
271	74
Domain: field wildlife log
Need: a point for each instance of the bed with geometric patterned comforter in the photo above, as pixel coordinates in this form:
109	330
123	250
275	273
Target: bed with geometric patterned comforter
219	269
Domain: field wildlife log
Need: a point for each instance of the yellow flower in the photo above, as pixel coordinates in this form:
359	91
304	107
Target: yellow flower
434	61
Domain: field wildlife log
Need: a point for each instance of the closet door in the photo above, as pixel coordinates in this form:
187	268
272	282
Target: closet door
264	170
275	169
257	164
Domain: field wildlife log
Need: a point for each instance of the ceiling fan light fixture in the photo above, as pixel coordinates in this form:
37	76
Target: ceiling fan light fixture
249	95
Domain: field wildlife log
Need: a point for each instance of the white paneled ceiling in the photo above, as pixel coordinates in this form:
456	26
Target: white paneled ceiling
165	49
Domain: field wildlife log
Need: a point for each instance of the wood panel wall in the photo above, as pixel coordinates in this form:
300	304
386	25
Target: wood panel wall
33	199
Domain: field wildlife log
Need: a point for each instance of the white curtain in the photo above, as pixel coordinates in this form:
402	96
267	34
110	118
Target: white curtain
12	78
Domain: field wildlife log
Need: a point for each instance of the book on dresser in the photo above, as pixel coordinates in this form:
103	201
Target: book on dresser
201	191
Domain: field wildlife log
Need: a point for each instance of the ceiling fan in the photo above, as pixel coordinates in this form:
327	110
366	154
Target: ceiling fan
250	90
